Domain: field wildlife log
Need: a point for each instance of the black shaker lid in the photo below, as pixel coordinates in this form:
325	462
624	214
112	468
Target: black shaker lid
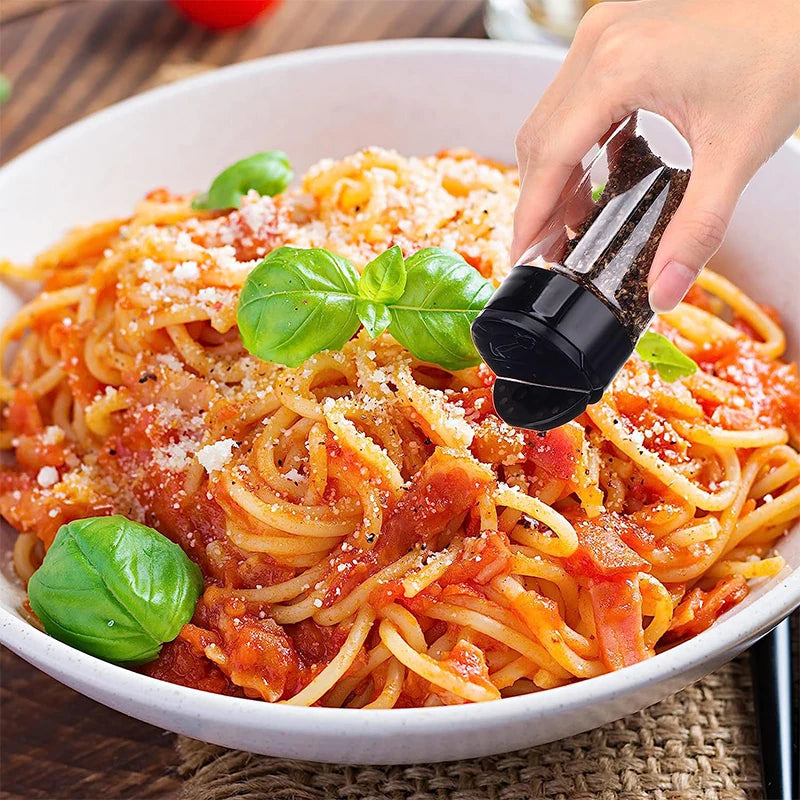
553	345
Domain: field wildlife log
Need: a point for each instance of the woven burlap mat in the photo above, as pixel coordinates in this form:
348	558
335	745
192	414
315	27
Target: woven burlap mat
699	744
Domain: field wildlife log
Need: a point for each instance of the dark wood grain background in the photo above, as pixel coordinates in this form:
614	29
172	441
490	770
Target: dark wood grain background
71	58
68	59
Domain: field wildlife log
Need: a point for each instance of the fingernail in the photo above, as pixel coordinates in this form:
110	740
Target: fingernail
670	286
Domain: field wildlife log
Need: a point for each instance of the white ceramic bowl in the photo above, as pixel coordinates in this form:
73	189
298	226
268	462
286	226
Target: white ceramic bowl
418	97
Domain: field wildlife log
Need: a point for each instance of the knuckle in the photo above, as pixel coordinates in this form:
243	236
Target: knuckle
615	47
621	63
596	20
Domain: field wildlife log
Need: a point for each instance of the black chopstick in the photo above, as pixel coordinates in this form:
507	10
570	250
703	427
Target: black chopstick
771	668
794	631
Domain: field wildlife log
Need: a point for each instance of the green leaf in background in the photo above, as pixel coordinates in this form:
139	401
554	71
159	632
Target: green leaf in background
375	317
664	357
597	191
384	278
296	303
114	588
442	297
268	173
5	88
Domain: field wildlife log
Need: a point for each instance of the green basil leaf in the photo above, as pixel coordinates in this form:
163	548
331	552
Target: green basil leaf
114	588
664	357
384	278
268	173
5	89
431	319
375	317
296	303
597	191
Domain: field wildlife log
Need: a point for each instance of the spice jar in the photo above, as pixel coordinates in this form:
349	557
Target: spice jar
569	314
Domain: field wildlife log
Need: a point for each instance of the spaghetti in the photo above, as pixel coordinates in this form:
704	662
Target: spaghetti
371	534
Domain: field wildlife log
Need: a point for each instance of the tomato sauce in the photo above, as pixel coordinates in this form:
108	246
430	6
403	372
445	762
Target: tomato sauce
554	451
469	662
183	661
772	387
482	555
700	609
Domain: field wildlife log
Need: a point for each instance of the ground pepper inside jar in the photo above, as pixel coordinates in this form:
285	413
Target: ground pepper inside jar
610	252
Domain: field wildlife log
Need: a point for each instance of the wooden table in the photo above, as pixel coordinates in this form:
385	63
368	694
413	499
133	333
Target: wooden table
67	59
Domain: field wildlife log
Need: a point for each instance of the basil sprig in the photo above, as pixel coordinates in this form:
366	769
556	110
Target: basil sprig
299	302
268	173
664	357
114	588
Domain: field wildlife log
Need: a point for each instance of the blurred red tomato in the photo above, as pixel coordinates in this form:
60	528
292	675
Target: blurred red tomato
222	14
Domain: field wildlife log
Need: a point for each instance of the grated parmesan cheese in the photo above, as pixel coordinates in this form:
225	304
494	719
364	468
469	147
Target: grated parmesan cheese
187	271
52	435
215	456
47	477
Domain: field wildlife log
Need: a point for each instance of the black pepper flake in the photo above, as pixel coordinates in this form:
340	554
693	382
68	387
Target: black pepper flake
112	452
147	376
370	538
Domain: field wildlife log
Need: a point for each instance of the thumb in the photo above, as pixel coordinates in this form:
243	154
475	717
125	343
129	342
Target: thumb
694	234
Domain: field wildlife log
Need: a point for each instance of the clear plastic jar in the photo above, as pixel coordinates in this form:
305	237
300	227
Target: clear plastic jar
605	231
569	314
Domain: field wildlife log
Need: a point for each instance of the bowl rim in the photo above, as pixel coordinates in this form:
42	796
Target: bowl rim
692	658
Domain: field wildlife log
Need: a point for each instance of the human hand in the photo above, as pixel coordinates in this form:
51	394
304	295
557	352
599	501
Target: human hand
726	73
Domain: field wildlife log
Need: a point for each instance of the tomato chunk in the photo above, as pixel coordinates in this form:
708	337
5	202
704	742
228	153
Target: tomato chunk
554	451
700	609
221	15
601	550
443	490
617	607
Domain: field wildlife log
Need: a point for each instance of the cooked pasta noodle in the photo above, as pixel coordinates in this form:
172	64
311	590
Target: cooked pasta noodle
371	534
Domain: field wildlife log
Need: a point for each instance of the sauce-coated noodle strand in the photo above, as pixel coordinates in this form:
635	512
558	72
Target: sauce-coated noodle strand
340	663
431	670
603	415
566	540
